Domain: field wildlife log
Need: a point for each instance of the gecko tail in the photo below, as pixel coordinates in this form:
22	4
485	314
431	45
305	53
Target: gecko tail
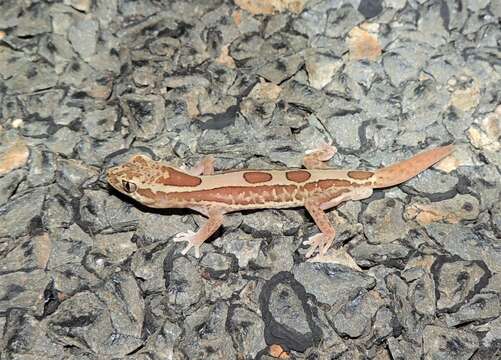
404	170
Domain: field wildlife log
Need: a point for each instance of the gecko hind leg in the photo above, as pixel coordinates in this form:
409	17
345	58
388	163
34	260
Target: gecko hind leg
325	238
203	167
316	158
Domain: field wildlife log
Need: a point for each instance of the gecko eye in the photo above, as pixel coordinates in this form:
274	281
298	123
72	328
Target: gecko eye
128	186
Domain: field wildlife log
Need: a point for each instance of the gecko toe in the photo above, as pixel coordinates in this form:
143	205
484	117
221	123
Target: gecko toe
315	242
183	236
197	251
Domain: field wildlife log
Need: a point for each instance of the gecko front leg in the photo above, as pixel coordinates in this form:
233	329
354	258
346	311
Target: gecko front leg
324	239
195	240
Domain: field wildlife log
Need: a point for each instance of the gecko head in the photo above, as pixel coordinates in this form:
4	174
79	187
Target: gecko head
133	178
150	182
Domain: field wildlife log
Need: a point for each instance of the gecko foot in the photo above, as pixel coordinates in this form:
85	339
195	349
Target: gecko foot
315	158
316	242
191	238
324	152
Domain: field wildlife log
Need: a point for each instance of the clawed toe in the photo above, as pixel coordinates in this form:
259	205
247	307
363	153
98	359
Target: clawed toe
184	236
315	241
190	238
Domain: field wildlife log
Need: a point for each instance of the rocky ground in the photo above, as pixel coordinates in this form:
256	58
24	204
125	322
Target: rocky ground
88	274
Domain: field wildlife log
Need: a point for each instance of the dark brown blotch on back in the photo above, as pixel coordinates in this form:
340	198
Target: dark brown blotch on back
298	176
360	175
255	177
174	177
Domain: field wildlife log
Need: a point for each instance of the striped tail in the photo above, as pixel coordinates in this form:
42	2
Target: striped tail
404	170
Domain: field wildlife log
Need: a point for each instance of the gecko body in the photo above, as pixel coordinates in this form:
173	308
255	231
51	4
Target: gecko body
317	188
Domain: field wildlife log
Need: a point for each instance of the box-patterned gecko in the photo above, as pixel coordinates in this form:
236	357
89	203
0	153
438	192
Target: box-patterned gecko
317	188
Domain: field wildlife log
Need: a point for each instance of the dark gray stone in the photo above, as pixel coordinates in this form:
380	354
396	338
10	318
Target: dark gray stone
481	307
404	311
145	114
332	284
42	168
63	141
23	289
467	244
370	9
393	254
383	222
342	20
247	331
22	215
448	343
147	264
106	327
404	61
101	124
83	37
164	340
401	349
287	316
422	294
73	175
457	281
205	333
218	266
183	282
9	183
385	324
24	336
355	317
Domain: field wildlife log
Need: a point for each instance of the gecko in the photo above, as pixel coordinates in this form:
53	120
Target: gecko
315	187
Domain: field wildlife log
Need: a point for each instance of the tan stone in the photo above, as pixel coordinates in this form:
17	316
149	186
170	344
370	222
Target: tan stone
422	262
14	157
485	133
191	99
225	58
81	5
452	211
265	91
268	7
43	246
237	17
466	99
277	352
448	164
363	44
